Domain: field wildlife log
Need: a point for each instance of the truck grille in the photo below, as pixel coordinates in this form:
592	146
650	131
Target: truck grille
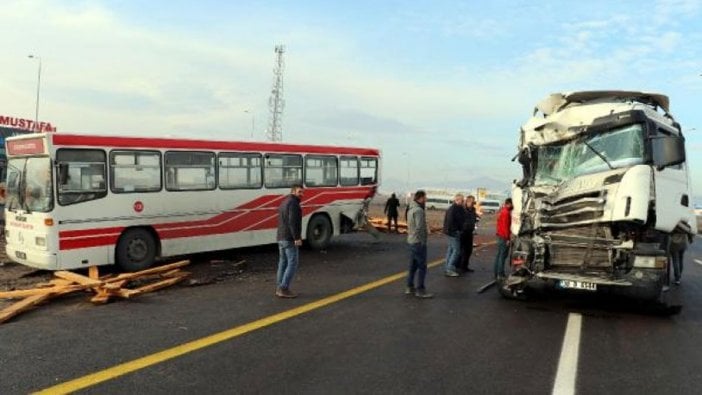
572	210
583	246
578	256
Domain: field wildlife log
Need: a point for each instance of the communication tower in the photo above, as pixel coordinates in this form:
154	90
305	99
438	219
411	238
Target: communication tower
276	103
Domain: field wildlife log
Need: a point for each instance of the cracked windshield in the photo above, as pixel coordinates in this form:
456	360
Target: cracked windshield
621	147
29	184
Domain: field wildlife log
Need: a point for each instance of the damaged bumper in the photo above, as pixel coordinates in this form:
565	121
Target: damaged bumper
639	283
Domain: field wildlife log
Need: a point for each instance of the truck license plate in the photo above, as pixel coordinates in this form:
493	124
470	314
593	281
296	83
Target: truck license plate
572	284
20	255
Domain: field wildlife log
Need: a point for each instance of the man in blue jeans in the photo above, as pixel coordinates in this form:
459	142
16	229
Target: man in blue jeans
417	235
453	226
289	240
503	233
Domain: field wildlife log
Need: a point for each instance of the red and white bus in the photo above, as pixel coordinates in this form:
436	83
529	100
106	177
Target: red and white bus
80	200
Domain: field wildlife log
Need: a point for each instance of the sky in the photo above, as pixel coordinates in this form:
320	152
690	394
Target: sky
440	86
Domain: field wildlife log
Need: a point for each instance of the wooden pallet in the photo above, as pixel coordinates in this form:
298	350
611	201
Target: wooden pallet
104	287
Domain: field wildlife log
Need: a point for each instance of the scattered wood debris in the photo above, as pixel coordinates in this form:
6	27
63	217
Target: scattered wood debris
125	285
381	224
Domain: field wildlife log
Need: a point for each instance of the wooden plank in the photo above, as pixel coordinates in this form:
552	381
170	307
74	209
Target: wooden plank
100	299
77	278
156	286
22	306
114	285
153	270
93	272
59	289
102	296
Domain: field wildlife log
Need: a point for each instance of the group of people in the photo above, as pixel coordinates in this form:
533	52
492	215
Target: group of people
459	227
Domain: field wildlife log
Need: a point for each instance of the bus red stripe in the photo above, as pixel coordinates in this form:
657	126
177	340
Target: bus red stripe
260	219
73	244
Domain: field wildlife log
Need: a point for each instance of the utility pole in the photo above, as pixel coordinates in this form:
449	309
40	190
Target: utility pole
253	122
276	102
36	108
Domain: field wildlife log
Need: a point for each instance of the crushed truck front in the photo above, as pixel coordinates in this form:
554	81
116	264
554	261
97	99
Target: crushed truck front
604	193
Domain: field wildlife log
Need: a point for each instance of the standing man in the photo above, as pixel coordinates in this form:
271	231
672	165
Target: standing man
471	217
392	212
453	226
678	245
417	235
289	240
504	222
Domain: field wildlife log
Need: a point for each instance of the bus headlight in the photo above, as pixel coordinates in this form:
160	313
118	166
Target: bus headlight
40	241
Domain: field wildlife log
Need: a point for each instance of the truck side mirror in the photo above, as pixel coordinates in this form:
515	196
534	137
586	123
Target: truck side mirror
668	151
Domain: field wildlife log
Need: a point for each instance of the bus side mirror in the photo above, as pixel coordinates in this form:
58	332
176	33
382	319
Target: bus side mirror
62	173
668	151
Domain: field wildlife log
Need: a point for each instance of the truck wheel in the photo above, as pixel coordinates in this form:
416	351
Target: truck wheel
319	232
136	250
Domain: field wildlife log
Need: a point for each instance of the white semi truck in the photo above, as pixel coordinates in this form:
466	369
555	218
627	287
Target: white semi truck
605	187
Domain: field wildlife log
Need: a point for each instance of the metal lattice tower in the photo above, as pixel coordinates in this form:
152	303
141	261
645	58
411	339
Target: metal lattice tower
276	103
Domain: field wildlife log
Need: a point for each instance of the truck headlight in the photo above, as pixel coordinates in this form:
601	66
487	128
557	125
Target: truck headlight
40	241
650	262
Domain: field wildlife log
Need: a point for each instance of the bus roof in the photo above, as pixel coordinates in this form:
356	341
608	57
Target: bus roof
86	140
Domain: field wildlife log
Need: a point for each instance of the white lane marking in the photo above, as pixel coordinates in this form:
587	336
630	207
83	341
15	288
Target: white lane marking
699	261
568	362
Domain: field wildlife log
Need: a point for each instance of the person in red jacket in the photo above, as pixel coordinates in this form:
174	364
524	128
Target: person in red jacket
504	222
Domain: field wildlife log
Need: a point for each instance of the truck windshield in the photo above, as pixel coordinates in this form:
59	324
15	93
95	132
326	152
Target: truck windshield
29	185
622	147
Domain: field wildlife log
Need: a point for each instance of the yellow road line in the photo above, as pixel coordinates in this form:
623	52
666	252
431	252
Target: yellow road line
177	351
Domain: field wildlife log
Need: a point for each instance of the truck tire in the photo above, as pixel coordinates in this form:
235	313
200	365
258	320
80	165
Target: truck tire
136	250
319	232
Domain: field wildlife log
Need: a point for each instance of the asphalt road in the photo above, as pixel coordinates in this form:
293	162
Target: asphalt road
377	341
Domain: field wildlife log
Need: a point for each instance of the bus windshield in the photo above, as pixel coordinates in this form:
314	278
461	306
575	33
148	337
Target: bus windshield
29	185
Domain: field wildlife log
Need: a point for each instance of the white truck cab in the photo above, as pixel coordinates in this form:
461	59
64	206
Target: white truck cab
605	188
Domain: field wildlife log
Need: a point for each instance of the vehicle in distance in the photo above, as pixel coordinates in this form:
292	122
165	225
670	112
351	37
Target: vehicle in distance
488	206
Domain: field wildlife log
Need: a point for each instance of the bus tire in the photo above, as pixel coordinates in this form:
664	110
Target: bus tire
136	250
319	232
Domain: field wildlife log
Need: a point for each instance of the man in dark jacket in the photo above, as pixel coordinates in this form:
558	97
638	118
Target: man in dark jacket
289	240
391	210
471	217
453	226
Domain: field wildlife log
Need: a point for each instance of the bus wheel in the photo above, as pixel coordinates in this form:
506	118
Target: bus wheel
319	232
136	250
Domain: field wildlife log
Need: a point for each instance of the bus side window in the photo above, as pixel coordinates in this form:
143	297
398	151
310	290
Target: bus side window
321	171
369	171
135	171
192	170
81	175
348	171
283	170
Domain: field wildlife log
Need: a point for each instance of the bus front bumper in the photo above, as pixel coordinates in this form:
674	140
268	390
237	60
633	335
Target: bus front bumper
32	258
